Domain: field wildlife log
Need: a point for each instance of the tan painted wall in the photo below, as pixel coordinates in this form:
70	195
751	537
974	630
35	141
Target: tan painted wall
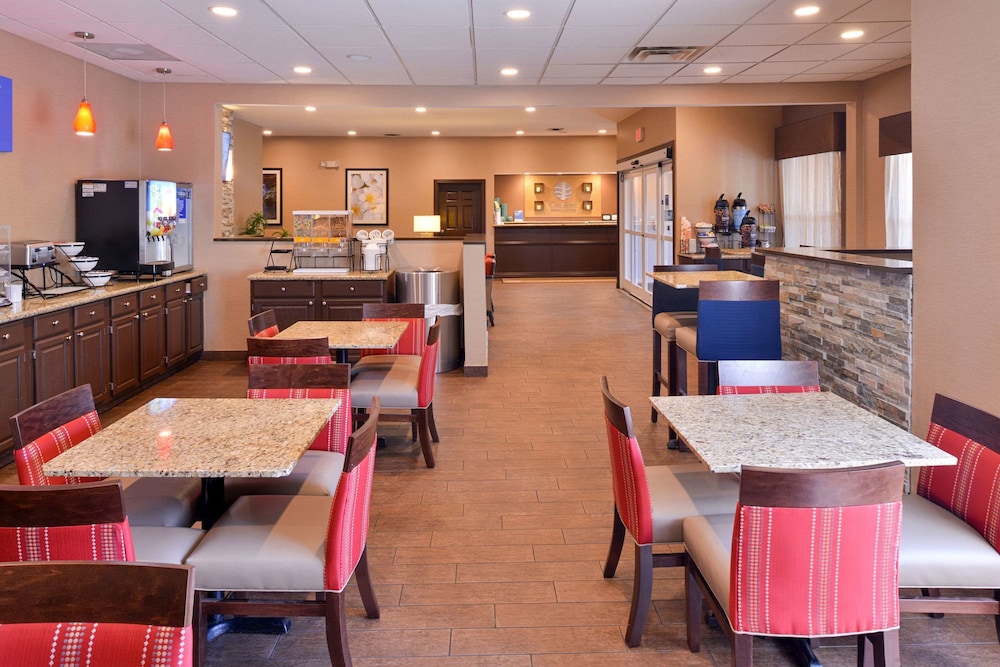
956	298
659	127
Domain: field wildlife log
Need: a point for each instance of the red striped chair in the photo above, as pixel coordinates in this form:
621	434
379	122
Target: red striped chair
51	427
76	613
304	545
650	504
951	525
288	351
318	471
263	324
809	553
771	376
411	344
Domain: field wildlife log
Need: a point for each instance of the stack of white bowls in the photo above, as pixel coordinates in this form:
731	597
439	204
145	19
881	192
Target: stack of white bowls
83	264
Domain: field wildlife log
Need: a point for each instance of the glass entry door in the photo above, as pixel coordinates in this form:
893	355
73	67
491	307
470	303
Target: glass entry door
646	232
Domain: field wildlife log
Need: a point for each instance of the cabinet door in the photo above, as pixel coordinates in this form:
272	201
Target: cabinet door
53	366
125	353
176	331
91	354
15	379
288	311
196	316
152	343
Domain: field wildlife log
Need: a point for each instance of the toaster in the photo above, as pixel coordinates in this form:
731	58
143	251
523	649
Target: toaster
29	254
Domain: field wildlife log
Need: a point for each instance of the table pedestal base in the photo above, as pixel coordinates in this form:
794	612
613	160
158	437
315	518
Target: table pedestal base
248	625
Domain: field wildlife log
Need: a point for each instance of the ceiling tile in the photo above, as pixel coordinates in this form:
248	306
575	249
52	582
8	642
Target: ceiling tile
602	13
601	38
814	52
699	12
516	38
694	35
737	54
646	70
543	12
423	37
873	32
781	11
750	35
781	68
879	51
409	13
881	10
847	66
567	55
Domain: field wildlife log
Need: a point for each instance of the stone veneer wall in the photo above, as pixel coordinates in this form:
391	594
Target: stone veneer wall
857	322
228	197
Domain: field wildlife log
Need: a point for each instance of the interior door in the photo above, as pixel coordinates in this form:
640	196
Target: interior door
460	205
646	229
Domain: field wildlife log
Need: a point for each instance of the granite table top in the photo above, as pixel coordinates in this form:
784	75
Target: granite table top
201	437
727	253
810	430
350	335
692	279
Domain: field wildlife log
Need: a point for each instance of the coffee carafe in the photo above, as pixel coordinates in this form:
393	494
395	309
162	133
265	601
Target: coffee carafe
723	224
739	210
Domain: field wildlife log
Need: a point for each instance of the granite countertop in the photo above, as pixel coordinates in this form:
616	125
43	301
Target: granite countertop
809	430
201	437
856	258
38	306
730	253
693	279
350	275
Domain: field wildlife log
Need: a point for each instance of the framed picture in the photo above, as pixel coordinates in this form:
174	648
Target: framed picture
271	196
368	195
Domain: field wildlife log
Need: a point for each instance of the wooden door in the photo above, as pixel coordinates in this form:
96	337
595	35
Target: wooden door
461	207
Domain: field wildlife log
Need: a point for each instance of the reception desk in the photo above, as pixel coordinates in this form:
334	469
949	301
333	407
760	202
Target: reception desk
550	249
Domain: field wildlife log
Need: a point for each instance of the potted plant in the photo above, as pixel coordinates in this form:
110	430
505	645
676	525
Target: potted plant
254	224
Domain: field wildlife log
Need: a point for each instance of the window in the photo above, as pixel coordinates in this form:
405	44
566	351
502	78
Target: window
899	201
810	193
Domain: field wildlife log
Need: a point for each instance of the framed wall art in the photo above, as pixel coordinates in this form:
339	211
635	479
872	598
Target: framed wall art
271	196
368	195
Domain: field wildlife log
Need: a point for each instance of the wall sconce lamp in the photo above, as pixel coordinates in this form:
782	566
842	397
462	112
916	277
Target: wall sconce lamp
539	187
84	123
588	187
588	205
164	142
427	225
539	206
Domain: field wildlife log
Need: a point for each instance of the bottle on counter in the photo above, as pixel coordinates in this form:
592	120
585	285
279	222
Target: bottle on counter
748	232
739	210
723	224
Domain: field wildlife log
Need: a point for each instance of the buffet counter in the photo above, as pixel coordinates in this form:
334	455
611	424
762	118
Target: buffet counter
547	249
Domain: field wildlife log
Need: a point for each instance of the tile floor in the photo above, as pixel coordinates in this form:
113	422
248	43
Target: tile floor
494	557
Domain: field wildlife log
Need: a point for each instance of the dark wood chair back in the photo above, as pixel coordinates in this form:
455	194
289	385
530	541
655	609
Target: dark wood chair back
713	257
290	347
34	422
61	504
261	322
363	438
738	290
391	310
299	376
966	420
768	373
824	487
677	268
757	261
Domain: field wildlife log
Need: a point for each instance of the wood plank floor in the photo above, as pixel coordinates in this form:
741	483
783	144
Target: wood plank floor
494	557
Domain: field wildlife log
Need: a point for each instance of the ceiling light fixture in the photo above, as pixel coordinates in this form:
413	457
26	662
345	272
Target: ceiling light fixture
529	109
712	69
519	132
421	109
302	69
358	57
852	34
808	10
435	132
84	123
351	133
310	108
517	14
225	12
267	133
602	131
164	142
509	71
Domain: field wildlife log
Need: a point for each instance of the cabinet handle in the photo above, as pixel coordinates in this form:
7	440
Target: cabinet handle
93	312
152	297
282	289
351	288
6	336
135	317
55	322
324	303
128	303
69	338
79	334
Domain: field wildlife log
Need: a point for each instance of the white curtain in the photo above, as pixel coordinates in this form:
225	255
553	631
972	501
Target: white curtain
810	200
899	201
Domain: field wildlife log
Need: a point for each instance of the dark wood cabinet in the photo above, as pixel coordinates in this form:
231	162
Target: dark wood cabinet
152	333
196	315
16	380
556	249
53	352
345	299
124	343
295	300
176	322
92	349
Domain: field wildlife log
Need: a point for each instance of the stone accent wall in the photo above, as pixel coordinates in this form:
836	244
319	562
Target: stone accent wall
228	198
857	322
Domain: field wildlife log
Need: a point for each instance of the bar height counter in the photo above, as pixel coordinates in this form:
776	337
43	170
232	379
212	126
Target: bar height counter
540	249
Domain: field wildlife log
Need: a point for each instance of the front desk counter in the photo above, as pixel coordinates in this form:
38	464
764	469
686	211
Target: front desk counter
541	249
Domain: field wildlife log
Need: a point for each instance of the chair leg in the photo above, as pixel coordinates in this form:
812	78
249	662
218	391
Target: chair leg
615	550
642	592
692	605
199	630
364	578
336	630
657	367
431	424
425	437
879	649
932	593
742	651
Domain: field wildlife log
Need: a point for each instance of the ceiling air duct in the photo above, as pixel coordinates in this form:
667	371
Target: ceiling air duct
665	54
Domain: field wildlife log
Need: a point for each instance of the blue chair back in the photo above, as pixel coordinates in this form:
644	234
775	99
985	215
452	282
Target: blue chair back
739	319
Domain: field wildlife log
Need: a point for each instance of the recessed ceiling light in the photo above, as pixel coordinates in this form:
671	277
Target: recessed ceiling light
517	14
220	10
713	69
808	10
302	69
310	108
529	109
509	71
267	133
519	132
421	109
351	133
358	57
602	131
435	132
852	34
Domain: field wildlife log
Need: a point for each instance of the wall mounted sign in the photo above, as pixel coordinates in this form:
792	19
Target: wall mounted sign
562	195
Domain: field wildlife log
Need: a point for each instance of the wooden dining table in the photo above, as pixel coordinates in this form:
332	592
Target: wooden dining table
346	335
210	438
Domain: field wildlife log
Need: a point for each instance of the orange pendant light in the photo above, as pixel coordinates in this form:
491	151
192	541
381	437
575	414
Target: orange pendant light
84	123
164	142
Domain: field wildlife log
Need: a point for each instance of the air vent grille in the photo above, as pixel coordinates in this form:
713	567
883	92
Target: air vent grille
665	54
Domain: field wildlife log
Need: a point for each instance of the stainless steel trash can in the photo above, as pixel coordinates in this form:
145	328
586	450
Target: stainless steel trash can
438	290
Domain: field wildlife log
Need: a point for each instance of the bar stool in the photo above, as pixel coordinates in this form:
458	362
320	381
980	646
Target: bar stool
737	319
672	308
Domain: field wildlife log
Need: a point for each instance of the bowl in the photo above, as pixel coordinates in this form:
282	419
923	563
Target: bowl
96	278
84	263
70	248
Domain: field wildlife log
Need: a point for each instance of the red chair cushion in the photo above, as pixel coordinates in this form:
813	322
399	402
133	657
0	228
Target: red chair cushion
333	437
34	454
805	572
790	389
969	490
46	644
111	541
